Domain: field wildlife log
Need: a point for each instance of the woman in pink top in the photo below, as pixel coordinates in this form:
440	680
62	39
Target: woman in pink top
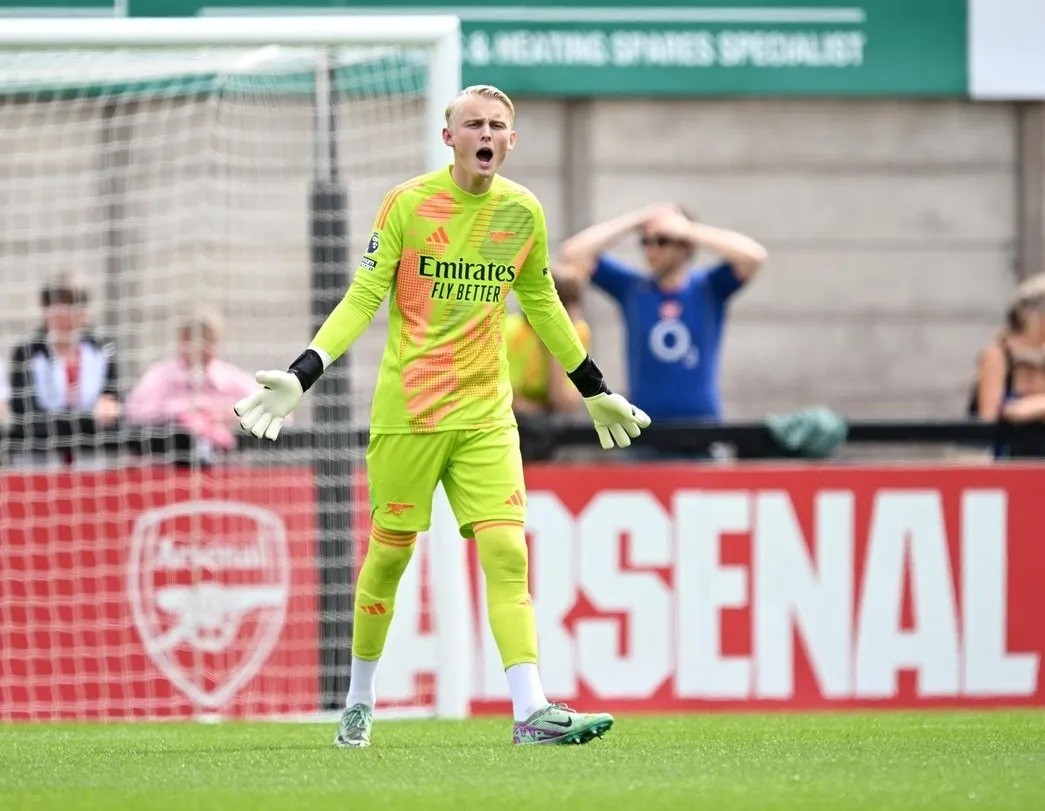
194	389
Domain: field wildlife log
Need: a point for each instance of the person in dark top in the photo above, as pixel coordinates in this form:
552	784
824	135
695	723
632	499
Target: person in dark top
63	379
1010	379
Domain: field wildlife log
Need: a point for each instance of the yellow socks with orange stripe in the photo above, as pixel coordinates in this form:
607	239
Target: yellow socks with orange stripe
502	554
386	559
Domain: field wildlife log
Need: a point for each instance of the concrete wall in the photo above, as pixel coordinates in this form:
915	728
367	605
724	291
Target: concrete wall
893	227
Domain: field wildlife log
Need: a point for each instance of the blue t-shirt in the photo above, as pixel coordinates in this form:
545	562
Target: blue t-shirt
674	337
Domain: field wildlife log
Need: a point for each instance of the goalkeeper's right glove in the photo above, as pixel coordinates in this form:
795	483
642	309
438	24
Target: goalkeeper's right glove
617	421
263	412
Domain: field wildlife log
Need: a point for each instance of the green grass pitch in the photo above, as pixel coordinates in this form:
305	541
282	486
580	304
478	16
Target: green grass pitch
930	760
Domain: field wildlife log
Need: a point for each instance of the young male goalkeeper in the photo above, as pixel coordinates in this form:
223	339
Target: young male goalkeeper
448	247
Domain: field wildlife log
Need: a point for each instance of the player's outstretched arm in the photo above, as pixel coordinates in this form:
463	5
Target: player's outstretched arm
617	421
263	412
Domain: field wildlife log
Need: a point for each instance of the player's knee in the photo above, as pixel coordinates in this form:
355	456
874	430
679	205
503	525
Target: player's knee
390	550
502	554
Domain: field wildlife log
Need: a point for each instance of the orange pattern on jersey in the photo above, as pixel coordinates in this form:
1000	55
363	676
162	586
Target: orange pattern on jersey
478	356
413	297
482	224
440	207
524	251
429	381
390	198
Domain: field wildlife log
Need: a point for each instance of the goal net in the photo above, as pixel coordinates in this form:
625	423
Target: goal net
184	201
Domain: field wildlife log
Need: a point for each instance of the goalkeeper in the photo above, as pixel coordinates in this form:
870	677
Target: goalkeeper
447	247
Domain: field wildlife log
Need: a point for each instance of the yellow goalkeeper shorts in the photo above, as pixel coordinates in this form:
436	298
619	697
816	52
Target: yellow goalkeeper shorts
481	472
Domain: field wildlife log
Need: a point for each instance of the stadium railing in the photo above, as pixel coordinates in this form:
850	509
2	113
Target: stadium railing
752	439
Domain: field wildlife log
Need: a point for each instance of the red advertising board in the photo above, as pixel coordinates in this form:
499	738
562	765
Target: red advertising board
673	588
153	592
157	593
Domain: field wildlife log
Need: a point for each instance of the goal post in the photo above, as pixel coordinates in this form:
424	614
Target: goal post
149	567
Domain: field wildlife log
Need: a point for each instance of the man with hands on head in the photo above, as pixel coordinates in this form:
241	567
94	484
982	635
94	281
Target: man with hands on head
674	312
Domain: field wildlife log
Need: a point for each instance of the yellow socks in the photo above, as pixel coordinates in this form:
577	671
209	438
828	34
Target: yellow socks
502	554
385	562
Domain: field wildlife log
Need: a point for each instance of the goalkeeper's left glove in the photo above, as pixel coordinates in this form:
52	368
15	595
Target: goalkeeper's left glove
617	421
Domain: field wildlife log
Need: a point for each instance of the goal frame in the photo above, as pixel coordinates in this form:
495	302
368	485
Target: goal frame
441	34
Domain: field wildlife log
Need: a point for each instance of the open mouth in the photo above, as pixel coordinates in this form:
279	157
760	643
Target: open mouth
485	155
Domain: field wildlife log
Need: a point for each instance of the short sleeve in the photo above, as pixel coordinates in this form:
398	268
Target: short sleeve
723	280
614	277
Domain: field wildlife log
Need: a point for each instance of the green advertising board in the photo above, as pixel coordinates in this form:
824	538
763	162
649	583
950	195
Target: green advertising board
679	47
64	8
750	53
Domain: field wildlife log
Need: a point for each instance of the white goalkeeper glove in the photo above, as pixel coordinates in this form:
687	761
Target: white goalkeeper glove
617	421
263	412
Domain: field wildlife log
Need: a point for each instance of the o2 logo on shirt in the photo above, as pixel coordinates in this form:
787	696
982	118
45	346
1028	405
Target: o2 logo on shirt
670	342
375	243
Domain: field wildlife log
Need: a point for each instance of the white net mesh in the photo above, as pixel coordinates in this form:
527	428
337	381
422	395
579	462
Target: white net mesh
161	565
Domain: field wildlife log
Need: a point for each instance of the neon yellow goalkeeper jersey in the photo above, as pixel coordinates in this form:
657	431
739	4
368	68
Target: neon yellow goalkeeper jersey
449	259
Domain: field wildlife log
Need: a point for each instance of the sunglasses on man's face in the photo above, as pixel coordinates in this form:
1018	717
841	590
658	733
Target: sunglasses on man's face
659	241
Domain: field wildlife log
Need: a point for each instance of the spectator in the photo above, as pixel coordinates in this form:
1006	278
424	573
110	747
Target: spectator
541	391
1010	380
195	389
5	394
540	386
63	378
674	314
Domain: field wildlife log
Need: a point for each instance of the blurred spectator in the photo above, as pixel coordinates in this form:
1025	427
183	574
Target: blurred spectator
1010	380
539	385
5	394
194	389
673	312
541	391
63	378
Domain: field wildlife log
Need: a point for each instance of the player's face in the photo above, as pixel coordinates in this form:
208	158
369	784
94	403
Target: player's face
1035	321
197	350
664	254
481	135
64	321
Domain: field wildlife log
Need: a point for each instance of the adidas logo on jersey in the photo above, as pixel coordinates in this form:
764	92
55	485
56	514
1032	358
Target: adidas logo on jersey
516	499
438	237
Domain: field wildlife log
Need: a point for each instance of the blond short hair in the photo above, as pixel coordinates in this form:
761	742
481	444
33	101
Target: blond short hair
202	321
485	91
1031	289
